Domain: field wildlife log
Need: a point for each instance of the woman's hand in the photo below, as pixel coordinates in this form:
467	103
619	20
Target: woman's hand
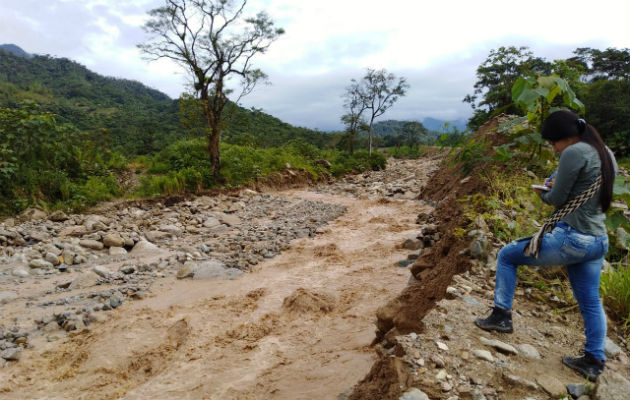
550	183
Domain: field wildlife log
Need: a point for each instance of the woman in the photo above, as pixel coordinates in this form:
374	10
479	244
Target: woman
581	192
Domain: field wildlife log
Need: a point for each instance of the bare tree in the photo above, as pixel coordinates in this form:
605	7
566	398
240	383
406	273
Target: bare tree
379	91
353	119
214	42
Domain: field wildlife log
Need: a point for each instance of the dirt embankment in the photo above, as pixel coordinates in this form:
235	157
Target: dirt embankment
447	290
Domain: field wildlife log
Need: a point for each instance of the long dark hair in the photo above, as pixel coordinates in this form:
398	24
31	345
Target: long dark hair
563	124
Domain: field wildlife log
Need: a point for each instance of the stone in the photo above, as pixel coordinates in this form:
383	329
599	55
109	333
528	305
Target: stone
11	354
143	246
20	272
611	349
156	236
170	229
58	216
551	385
76	230
229	219
187	271
612	386
517	380
483	354
116	299
83	280
441	375
529	351
91	244
215	270
414	394
576	389
41	264
441	346
499	345
211	222
117	251
412	244
7	296
52	258
39	236
438	361
101	271
68	256
113	240
127	269
32	214
479	248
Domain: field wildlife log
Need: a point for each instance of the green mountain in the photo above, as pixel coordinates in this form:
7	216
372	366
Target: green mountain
16	50
134	118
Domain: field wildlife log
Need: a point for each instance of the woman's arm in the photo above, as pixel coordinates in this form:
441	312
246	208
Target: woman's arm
569	166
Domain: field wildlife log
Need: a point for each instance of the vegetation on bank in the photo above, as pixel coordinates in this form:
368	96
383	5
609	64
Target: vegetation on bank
53	165
510	158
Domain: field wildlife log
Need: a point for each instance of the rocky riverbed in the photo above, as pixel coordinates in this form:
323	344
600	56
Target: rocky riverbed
269	295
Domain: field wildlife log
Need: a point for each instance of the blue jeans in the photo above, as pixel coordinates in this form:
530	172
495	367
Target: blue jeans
583	255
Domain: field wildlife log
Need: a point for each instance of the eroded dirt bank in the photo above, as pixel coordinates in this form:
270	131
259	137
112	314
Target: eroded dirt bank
296	325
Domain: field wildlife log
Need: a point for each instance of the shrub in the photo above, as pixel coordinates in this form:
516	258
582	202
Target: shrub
615	290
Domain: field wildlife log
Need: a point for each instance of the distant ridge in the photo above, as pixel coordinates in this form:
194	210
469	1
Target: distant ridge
394	127
136	119
15	50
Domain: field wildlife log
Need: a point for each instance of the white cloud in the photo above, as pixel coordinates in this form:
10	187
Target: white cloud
437	45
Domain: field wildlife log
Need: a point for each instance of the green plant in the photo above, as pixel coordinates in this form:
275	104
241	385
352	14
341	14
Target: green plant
472	155
615	290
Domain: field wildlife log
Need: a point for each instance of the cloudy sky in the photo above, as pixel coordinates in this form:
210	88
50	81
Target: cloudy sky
436	45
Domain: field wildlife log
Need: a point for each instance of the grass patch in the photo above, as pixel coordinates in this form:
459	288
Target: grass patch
615	290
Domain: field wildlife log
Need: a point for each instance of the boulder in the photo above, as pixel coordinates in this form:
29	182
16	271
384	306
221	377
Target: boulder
113	240
207	270
170	229
101	271
612	386
84	280
58	216
32	214
117	251
91	244
40	263
143	246
52	258
611	349
414	394
229	219
20	272
156	236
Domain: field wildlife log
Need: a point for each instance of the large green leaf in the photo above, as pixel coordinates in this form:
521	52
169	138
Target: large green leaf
621	187
616	220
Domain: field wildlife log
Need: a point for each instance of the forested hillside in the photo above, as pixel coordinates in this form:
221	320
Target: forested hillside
138	119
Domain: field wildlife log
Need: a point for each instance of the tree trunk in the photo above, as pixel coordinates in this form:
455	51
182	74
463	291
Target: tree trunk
215	157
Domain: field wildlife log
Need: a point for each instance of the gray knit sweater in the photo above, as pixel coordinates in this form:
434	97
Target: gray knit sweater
578	168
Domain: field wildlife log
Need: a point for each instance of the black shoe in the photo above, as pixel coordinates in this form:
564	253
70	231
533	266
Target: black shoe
586	365
500	321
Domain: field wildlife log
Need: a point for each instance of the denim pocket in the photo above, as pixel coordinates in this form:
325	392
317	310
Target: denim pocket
577	245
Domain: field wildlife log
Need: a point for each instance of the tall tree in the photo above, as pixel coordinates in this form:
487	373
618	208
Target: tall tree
495	77
353	119
214	42
413	131
379	91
